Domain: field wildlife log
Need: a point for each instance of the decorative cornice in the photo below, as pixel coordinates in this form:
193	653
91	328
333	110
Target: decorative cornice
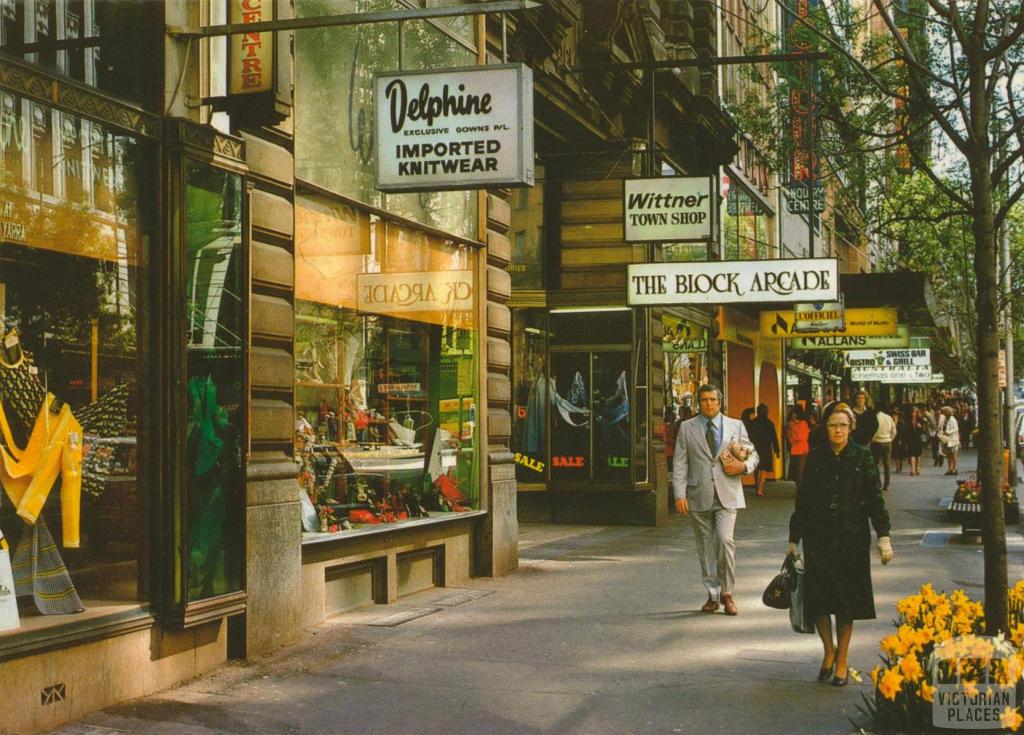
24	79
206	142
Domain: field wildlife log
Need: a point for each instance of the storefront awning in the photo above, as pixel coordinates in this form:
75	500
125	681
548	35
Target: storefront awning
908	291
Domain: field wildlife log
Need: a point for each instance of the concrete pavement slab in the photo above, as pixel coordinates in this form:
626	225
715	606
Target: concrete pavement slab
598	632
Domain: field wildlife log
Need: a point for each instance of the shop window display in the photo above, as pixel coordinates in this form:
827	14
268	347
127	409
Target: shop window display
72	305
530	376
386	372
214	473
574	397
684	345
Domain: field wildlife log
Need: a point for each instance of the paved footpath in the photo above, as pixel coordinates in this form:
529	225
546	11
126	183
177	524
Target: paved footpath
597	632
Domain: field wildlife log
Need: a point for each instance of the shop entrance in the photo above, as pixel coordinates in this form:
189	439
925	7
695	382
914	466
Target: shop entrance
590	415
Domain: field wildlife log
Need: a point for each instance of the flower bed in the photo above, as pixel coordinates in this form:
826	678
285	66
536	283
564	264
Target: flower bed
969	491
937	643
966	505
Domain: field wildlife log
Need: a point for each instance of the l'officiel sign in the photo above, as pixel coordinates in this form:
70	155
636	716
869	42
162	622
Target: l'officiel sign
667	209
733	281
464	128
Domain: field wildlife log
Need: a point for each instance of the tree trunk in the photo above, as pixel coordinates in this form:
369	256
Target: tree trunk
993	525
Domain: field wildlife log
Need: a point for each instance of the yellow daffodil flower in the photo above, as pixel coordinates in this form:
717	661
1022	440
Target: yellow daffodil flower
890	684
1011	719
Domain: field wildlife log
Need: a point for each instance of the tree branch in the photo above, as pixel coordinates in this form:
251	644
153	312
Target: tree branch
962	145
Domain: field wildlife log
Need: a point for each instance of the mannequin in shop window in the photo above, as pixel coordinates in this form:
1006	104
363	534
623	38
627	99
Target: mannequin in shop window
613	418
42	444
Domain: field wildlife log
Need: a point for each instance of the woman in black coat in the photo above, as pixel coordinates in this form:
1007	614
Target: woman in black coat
762	435
838	495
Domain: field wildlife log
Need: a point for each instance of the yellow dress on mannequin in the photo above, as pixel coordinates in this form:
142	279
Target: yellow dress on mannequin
54	450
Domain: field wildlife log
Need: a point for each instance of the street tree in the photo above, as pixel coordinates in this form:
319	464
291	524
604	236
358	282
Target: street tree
930	234
933	88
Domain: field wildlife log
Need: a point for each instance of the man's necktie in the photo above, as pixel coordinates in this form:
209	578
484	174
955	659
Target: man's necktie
710	436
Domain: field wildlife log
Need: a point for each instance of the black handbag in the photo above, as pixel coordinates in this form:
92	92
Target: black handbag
777	593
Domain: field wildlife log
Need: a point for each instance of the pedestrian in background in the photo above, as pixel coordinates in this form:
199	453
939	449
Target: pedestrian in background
967	426
917	437
935	419
949	438
707	486
867	420
881	443
899	449
671	429
798	431
836	498
762	433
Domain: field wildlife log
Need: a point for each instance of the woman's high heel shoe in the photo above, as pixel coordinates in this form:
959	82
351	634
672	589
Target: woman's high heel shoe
826	673
841	681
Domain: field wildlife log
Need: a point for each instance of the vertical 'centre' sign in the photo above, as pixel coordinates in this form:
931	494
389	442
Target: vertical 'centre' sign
251	58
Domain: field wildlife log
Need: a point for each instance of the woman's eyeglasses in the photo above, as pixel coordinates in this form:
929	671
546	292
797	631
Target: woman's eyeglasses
832	425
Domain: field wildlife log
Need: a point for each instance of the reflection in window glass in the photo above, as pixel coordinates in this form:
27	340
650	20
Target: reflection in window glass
334	108
527	266
745	227
386	367
128	30
215	374
72	311
685	252
611	412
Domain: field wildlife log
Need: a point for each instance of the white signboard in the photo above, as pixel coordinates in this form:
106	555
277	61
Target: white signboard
403	293
733	281
933	378
828	316
912	374
667	209
896	359
848	342
465	128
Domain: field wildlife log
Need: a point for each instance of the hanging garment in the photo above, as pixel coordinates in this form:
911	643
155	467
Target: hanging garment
21	390
575	405
54	451
106	417
535	435
39	571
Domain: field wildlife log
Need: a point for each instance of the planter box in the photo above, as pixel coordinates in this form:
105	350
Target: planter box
969	516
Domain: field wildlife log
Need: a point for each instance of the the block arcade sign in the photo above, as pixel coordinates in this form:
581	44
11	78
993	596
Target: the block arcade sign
448	129
727	282
667	209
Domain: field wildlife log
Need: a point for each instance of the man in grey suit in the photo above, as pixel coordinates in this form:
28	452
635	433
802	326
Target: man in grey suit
707	487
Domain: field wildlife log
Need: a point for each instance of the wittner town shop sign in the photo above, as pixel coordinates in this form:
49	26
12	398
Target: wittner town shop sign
667	209
732	281
461	128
